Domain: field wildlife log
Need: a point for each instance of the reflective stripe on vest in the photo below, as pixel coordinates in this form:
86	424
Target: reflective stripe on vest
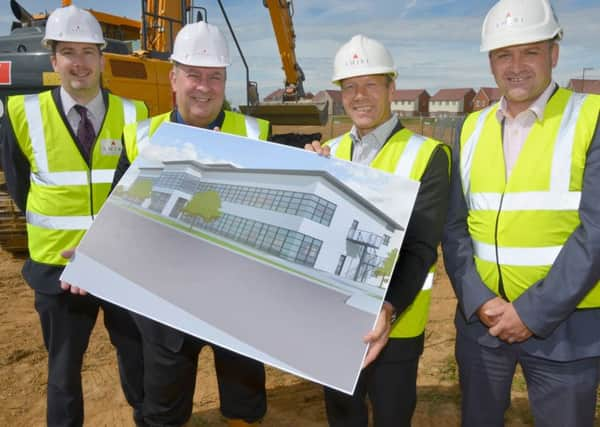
129	111
516	256
143	134
409	156
563	150
99	176
59	222
557	198
38	144
466	152
36	131
412	321
534	200
334	144
65	191
546	195
252	127
428	283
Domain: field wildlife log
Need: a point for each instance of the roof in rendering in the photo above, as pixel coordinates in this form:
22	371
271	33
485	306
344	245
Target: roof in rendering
295	172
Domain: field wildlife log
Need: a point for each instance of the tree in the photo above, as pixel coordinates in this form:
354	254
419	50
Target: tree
385	270
205	205
141	189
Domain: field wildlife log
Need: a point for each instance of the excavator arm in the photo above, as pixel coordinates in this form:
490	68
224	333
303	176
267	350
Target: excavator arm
295	108
281	12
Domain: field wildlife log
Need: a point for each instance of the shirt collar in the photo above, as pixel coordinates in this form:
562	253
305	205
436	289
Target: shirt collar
94	106
380	133
537	107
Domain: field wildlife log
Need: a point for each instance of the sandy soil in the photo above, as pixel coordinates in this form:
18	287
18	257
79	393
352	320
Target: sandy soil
292	401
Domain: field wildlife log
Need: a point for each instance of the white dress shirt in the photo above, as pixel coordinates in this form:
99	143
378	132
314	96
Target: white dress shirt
365	149
96	110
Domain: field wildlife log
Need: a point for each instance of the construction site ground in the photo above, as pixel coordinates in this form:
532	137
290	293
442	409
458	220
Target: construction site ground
291	400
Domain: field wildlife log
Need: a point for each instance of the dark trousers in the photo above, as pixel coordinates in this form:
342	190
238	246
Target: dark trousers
67	321
171	361
560	393
390	383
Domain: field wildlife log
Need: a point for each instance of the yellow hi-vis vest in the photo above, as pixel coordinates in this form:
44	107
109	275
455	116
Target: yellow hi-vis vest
519	226
137	135
65	193
405	154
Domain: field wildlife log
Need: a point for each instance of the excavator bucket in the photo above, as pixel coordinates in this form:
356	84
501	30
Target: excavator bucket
292	113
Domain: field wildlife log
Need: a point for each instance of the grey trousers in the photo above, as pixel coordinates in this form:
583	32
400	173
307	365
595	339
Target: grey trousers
560	393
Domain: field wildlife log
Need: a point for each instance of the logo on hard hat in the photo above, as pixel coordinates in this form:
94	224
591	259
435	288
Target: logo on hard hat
357	60
510	20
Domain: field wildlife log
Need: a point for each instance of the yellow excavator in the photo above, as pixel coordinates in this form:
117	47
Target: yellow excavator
137	67
137	58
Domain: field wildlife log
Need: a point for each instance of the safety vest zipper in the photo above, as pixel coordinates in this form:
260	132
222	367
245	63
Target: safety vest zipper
501	290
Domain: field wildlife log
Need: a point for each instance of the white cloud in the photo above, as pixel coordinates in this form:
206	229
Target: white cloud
161	153
435	43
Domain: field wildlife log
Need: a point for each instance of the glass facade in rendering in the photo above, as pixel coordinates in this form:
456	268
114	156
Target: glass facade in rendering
305	205
278	241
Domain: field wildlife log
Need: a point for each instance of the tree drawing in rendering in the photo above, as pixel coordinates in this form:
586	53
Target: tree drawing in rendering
140	190
385	270
205	205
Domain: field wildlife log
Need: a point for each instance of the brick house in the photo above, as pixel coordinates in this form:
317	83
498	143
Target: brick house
411	102
486	96
451	102
586	86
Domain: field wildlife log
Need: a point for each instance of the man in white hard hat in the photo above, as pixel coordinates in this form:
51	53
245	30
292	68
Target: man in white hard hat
522	242
200	60
364	70
61	148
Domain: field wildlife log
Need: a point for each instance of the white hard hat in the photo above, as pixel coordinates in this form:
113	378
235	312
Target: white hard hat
362	56
71	24
514	22
201	45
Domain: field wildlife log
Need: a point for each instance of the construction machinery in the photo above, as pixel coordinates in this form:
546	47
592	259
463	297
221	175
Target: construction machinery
137	66
295	108
139	74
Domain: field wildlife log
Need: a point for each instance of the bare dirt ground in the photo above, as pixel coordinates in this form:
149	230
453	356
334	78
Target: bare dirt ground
292	401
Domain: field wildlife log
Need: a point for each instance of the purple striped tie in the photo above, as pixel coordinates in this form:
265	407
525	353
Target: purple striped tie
85	131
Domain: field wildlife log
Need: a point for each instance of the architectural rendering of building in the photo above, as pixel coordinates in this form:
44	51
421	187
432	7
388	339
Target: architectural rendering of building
306	217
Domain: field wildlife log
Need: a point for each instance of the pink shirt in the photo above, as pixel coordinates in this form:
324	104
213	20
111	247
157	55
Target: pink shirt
517	128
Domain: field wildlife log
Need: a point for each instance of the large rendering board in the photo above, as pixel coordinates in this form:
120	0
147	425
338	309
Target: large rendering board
273	252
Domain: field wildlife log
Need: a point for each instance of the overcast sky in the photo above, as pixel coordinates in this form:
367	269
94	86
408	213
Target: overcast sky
435	43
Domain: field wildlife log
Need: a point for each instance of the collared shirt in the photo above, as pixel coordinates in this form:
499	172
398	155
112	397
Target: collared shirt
96	110
517	128
366	148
